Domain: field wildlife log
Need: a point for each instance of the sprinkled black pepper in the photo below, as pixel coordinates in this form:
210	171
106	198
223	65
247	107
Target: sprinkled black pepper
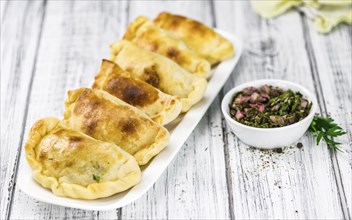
278	150
299	145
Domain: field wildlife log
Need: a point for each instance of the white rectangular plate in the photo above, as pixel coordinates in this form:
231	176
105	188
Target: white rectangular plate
179	132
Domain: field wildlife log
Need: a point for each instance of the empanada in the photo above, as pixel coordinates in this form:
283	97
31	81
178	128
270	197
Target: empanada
107	118
197	36
160	72
145	34
75	165
160	107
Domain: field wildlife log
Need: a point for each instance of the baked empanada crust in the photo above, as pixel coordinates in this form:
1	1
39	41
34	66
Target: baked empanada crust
197	36
145	34
75	165
160	107
160	72
107	118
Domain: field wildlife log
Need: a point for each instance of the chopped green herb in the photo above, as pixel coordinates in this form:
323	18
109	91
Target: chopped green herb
96	178
269	107
326	129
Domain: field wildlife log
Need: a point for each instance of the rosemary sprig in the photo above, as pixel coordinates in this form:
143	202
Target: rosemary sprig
325	128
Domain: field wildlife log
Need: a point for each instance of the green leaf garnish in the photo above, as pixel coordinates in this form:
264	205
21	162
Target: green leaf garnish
326	129
96	178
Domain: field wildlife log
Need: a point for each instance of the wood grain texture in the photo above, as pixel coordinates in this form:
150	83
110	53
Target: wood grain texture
3	7
53	47
334	79
76	36
20	37
194	185
297	183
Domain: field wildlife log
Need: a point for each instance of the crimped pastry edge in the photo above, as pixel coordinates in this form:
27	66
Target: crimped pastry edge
43	127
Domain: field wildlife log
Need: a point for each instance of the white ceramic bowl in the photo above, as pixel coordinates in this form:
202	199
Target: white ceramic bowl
269	138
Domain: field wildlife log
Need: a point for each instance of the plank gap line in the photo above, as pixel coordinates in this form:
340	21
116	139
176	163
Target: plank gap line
6	5
19	148
313	65
323	110
213	14
228	169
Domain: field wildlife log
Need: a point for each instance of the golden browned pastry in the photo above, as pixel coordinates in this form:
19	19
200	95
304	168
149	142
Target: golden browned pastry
160	107
200	38
160	72
145	34
107	118
75	165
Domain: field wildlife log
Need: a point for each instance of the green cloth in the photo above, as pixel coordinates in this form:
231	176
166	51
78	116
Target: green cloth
330	16
326	14
319	3
270	9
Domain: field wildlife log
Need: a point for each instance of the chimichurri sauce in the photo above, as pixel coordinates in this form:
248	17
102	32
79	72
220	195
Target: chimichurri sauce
268	107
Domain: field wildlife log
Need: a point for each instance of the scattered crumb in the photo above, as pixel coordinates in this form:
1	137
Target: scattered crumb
277	182
299	145
278	150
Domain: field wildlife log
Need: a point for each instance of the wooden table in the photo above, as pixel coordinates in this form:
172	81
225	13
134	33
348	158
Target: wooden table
49	47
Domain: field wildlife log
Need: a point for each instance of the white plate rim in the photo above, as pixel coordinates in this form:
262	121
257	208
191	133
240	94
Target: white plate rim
155	169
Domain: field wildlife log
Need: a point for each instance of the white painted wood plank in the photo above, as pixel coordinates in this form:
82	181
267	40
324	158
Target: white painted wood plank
269	189
3	5
194	185
20	34
197	10
333	56
298	183
76	36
